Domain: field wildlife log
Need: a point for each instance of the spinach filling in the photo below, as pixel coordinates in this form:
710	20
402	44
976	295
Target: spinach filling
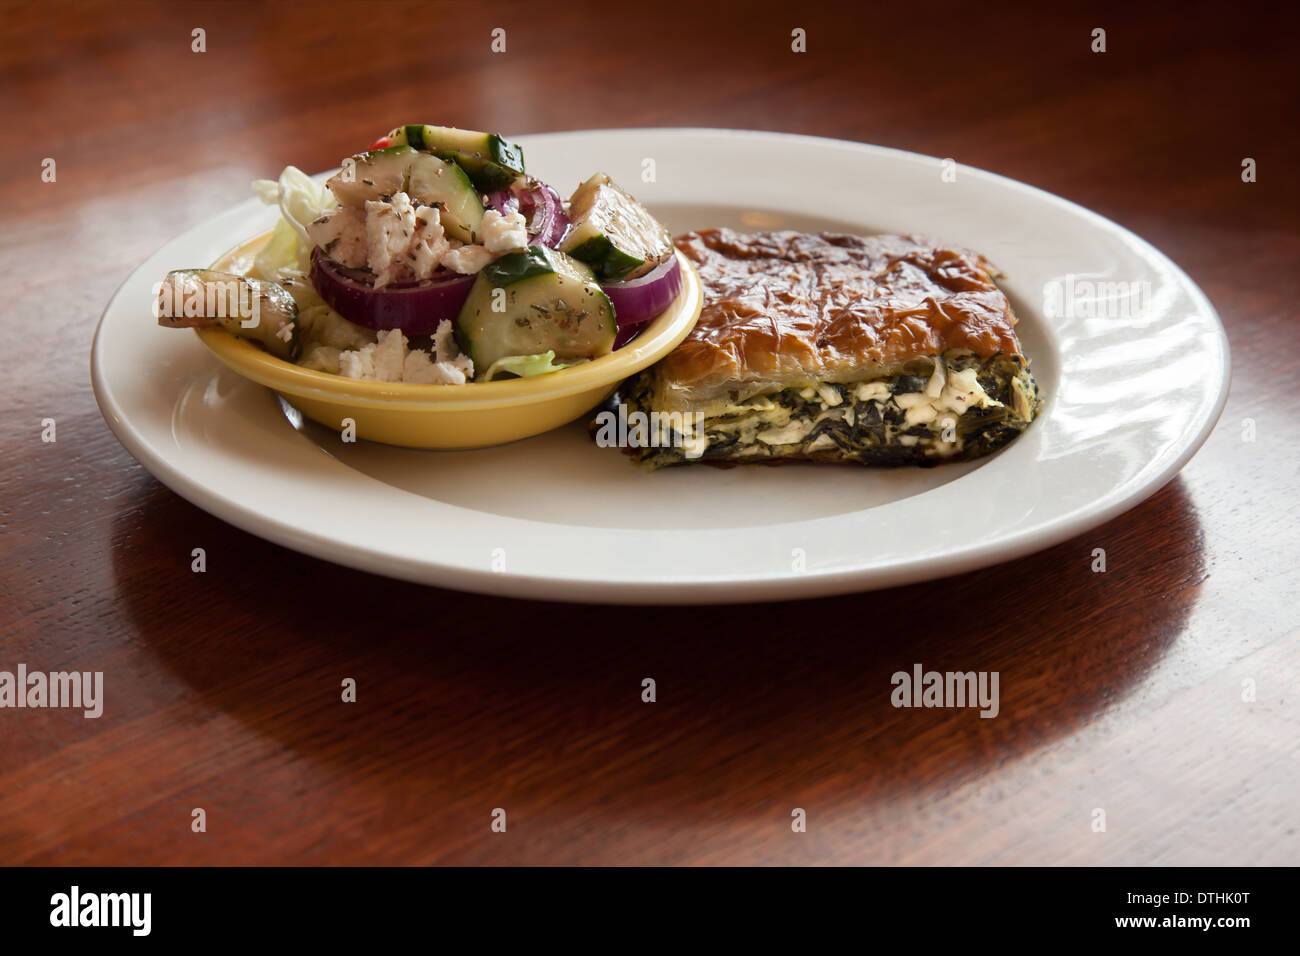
847	422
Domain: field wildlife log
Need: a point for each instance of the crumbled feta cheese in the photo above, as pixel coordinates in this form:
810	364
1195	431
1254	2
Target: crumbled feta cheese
381	362
397	240
416	366
960	391
934	387
390	226
341	233
419	369
829	395
357	363
444	342
389	360
871	391
920	414
964	391
429	243
444	373
390	356
503	233
447	352
466	259
285	332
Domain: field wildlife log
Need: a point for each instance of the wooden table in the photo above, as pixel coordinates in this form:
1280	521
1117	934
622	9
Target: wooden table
1121	691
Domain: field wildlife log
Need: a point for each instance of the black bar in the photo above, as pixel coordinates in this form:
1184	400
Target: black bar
331	905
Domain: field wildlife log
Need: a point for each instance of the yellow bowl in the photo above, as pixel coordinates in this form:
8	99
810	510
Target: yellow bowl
473	415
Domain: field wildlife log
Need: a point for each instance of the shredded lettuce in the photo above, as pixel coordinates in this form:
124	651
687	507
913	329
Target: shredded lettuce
280	252
301	199
543	363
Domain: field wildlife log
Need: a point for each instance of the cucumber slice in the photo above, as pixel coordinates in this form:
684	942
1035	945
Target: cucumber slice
613	233
202	298
551	303
488	147
373	175
486	175
427	179
437	181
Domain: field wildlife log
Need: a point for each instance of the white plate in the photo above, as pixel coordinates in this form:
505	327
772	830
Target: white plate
1128	400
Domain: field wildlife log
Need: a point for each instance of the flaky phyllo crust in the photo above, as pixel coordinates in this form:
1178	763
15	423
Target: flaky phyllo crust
880	350
786	308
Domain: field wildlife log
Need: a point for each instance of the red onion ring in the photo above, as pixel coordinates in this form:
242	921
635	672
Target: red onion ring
627	333
548	220
417	308
644	297
540	205
503	201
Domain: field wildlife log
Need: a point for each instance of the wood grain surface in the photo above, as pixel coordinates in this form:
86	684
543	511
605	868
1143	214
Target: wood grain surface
1121	691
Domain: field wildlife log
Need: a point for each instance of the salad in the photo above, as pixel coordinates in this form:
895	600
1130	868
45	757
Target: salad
434	257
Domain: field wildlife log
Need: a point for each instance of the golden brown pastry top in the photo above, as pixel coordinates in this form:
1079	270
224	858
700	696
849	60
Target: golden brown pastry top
783	308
